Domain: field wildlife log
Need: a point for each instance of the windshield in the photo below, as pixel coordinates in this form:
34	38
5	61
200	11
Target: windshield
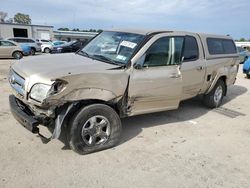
117	47
71	42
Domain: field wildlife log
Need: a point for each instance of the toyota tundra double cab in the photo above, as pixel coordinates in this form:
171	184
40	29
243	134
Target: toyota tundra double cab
119	73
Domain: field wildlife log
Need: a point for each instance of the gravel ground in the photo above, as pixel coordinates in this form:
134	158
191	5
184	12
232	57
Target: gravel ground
189	147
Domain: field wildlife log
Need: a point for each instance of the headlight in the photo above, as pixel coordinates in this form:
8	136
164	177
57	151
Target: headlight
59	49
39	92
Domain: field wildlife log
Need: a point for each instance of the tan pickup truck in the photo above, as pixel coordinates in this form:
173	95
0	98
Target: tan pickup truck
119	74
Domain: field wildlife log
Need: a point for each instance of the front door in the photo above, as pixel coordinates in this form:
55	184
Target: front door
156	81
6	48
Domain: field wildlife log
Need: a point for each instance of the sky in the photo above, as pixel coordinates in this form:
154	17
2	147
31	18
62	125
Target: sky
207	16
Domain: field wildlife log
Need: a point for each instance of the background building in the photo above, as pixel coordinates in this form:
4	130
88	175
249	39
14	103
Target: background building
8	30
243	44
73	35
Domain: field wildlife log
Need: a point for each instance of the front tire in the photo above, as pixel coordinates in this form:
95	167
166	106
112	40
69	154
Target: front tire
248	76
95	127
47	50
214	98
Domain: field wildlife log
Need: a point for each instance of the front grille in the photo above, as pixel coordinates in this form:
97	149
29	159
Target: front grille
17	82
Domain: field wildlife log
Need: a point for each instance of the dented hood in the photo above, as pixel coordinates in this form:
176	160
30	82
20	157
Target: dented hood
59	65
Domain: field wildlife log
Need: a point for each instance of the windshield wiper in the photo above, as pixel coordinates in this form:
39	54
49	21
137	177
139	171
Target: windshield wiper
83	53
107	60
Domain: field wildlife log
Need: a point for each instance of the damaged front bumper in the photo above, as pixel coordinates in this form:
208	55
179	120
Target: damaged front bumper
23	115
30	121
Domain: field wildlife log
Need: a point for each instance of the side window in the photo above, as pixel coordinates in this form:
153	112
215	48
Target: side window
12	39
30	41
76	43
22	40
229	47
165	51
17	40
191	50
215	46
7	43
218	46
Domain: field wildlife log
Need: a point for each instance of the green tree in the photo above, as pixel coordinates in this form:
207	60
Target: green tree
22	18
64	29
92	30
76	29
242	40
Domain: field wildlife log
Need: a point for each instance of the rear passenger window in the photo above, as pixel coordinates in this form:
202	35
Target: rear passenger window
221	46
21	40
191	50
30	41
17	40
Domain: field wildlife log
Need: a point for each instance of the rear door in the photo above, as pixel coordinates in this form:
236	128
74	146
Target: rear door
193	66
156	82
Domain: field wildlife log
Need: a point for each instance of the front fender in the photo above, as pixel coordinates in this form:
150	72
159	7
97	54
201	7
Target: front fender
89	93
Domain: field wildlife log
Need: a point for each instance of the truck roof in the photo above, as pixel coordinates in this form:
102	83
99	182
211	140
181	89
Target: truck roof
150	31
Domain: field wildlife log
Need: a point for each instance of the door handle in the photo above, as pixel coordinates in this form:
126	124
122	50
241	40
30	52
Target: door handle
175	75
200	68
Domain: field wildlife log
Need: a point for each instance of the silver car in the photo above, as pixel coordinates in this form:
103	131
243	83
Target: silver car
10	49
35	46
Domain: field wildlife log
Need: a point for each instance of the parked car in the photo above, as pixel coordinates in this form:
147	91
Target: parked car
43	41
10	49
58	43
244	54
86	93
26	49
72	46
47	48
246	68
35	46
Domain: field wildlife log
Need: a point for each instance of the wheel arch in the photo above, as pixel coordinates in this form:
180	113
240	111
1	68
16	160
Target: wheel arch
222	77
17	51
71	109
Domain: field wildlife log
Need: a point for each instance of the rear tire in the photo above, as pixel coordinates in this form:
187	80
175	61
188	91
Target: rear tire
214	98
95	127
17	55
32	51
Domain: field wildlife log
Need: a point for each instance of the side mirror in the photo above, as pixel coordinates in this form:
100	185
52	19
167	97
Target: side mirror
138	66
